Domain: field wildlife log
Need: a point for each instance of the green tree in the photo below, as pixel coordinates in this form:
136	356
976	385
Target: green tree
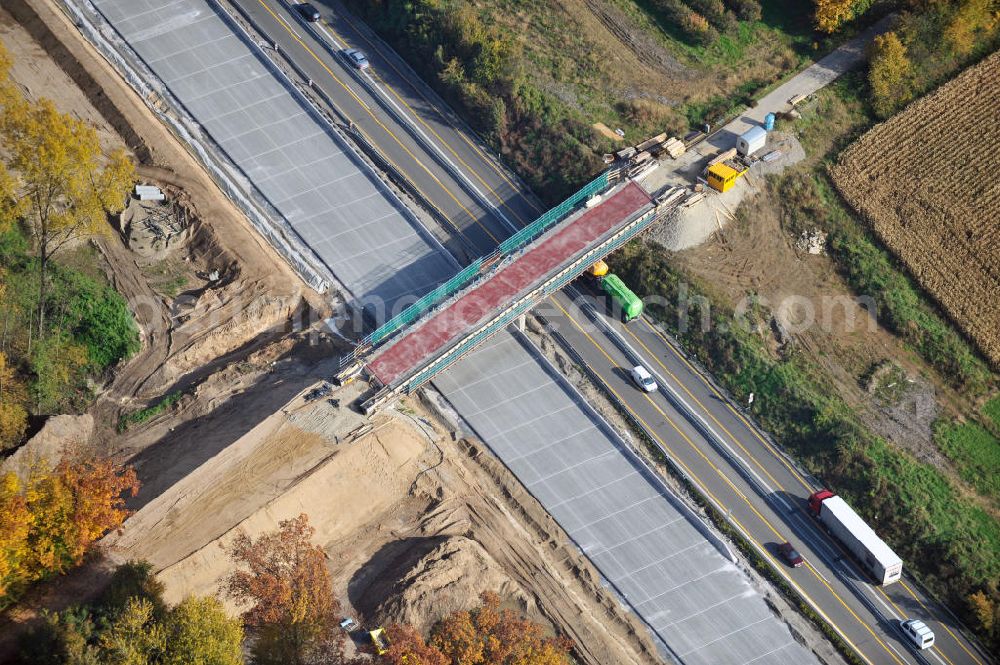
134	637
198	632
890	74
134	579
67	185
971	18
62	638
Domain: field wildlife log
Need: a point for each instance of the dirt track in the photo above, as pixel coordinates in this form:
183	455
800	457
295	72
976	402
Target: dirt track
415	521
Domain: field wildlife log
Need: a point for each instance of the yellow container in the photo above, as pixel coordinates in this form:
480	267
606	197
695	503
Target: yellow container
599	269
722	177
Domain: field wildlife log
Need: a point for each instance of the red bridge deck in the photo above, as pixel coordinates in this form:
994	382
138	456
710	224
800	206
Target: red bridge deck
478	305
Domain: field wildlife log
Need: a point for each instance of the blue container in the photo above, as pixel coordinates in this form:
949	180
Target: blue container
769	122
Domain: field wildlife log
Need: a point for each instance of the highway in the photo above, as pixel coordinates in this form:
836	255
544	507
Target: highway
721	452
759	489
474	197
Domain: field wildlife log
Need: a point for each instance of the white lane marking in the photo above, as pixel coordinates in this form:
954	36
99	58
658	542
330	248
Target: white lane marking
484	199
288	25
332	39
415	126
694	413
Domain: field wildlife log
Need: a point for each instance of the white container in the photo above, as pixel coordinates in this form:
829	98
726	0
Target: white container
751	141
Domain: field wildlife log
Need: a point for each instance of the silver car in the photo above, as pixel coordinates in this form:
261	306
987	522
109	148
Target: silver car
355	57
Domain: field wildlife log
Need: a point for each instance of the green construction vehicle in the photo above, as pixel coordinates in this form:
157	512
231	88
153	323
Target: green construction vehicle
631	304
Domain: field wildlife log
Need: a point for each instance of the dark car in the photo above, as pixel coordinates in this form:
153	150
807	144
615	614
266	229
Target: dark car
355	57
308	12
790	555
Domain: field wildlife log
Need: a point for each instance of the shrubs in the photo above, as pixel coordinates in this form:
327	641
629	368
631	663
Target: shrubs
948	539
890	75
131	623
89	329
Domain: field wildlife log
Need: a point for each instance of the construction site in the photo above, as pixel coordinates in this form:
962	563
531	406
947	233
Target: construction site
338	320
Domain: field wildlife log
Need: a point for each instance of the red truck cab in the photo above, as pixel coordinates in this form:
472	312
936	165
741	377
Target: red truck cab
816	500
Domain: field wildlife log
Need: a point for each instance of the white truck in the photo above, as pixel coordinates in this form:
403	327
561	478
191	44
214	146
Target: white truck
870	550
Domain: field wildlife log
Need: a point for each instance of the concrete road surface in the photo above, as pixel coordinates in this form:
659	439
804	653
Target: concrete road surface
752	481
656	554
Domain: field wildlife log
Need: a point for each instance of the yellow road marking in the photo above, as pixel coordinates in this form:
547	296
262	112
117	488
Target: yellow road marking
780	457
777	454
377	121
421	120
444	118
707	411
702	487
943	624
468	168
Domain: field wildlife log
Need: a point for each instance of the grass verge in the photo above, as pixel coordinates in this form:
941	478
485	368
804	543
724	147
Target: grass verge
717	518
130	420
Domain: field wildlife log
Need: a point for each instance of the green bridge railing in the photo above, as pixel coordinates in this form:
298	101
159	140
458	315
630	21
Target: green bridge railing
469	274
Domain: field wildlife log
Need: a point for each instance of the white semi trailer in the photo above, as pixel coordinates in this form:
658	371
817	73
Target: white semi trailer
870	550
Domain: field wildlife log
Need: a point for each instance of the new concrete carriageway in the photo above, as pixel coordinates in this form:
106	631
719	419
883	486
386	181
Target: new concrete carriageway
483	298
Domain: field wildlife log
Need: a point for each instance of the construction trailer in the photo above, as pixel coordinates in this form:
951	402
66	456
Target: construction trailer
723	175
751	141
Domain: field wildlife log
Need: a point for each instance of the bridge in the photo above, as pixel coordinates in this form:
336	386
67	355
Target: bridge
484	297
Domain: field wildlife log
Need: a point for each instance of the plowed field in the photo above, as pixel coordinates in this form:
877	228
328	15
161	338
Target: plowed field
928	181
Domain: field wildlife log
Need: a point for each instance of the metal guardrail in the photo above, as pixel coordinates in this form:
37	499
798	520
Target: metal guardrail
572	270
469	274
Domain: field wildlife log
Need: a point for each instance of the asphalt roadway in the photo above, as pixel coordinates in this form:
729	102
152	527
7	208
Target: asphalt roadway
730	462
659	557
749	479
725	455
480	201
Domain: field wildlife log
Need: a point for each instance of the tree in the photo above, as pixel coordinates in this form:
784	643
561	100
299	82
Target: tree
67	185
287	585
134	637
831	14
971	17
407	647
50	521
504	638
13	415
134	579
889	75
198	632
62	638
485	636
15	524
73	505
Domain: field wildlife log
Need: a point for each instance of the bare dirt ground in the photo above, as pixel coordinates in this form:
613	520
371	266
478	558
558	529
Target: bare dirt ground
416	521
757	254
257	293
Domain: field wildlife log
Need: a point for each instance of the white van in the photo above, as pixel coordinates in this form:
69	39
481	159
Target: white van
918	633
643	379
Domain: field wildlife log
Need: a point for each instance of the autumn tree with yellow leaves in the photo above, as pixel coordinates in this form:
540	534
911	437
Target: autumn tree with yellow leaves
67	186
50	521
831	14
889	75
487	635
13	397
